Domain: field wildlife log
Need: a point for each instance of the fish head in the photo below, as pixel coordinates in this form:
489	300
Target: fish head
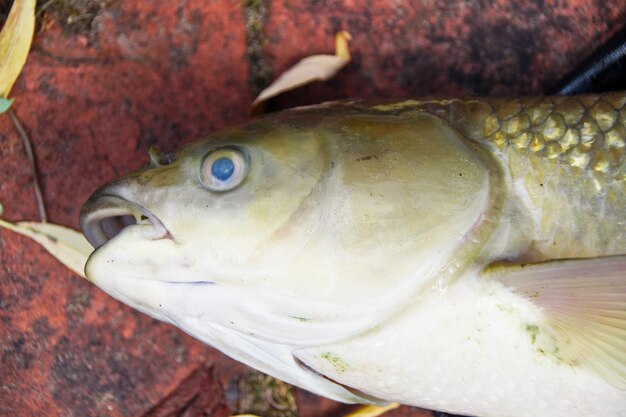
296	229
218	213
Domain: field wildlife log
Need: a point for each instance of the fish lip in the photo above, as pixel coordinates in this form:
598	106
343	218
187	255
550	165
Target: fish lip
102	207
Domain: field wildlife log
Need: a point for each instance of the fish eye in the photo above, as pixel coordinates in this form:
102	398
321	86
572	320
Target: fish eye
224	169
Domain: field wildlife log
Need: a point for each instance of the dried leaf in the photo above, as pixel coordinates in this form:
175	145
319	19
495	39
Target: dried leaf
372	410
67	245
362	411
312	68
5	104
15	40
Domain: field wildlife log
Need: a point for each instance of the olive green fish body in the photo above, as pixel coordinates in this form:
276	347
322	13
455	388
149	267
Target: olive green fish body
565	157
467	255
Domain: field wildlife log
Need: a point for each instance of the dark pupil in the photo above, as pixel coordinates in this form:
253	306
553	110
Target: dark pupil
223	169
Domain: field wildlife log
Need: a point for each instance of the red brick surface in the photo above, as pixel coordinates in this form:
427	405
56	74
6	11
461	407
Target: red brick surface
153	73
163	73
440	47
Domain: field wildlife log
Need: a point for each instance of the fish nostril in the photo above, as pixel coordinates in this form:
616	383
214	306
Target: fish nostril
159	159
113	225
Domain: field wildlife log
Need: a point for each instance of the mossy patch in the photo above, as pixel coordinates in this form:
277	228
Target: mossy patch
76	16
256	12
263	395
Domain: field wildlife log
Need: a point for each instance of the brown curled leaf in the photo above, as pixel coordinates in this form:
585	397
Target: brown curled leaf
312	68
67	245
15	40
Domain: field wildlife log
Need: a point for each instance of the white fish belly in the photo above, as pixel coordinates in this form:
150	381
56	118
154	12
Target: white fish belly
472	349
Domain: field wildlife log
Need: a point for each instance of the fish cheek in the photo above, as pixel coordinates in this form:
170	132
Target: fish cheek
291	176
407	199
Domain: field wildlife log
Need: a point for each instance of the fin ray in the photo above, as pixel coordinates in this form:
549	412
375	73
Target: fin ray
584	303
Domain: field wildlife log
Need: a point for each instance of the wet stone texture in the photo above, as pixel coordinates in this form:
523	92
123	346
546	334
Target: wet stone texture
94	96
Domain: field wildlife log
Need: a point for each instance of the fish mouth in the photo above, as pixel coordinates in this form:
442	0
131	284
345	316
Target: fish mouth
104	217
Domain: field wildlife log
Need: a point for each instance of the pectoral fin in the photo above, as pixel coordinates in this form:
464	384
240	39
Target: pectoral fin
584	301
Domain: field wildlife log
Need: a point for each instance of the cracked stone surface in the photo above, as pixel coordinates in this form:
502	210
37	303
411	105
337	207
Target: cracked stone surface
165	73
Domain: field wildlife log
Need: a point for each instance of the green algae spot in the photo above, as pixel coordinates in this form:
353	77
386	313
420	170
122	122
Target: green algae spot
256	14
507	308
549	346
533	331
337	363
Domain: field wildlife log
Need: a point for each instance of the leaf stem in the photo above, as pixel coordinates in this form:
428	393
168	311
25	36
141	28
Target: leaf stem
33	164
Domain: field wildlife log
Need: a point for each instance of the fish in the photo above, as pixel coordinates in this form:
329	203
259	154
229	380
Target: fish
466	255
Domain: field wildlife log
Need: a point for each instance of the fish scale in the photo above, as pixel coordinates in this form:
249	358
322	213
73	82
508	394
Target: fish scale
567	156
581	131
580	138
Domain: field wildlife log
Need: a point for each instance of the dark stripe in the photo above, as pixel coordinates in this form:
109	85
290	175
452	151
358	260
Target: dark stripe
604	70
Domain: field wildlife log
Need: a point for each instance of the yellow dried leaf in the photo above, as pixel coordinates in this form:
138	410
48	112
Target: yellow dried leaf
372	410
363	411
312	68
15	40
67	245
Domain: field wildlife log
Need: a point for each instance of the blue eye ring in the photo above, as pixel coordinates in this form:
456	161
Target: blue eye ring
224	169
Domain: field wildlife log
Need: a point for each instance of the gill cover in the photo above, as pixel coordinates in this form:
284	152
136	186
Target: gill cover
403	204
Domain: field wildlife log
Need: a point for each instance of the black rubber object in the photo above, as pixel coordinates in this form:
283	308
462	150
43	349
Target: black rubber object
604	70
